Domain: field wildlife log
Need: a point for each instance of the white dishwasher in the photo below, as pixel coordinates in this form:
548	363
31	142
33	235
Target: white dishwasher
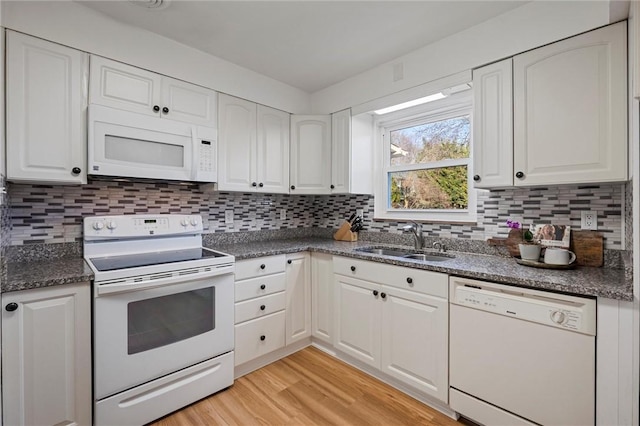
521	356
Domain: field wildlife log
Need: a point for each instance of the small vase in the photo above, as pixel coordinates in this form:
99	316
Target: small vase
530	251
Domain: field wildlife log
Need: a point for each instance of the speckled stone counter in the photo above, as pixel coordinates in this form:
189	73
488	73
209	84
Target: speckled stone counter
600	282
45	273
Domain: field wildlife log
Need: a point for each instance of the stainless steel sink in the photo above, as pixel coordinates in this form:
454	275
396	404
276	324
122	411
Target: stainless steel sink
406	254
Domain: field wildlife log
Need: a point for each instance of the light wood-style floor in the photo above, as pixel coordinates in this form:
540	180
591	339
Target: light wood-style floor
308	388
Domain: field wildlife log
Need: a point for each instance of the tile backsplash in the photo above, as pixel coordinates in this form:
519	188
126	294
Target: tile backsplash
53	214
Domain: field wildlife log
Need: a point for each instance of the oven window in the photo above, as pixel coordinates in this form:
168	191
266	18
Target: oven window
160	321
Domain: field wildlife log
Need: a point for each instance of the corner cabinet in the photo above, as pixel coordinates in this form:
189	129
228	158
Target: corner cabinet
123	86
351	153
46	98
298	310
395	319
253	147
46	356
310	165
568	109
322	297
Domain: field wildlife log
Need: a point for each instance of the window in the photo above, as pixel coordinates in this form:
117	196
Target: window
425	166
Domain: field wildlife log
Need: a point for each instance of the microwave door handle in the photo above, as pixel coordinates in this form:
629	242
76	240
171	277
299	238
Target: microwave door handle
194	153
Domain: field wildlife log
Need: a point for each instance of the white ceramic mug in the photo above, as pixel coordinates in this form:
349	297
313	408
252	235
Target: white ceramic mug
530	252
558	256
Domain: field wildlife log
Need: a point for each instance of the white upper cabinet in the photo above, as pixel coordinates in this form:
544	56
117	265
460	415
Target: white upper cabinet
493	125
46	98
310	154
570	110
122	86
340	152
253	147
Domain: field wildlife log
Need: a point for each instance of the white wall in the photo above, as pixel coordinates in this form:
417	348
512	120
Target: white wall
531	25
77	26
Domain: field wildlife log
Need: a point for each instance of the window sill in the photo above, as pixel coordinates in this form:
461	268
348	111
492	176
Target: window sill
449	217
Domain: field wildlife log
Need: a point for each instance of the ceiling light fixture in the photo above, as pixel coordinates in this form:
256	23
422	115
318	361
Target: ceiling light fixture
409	104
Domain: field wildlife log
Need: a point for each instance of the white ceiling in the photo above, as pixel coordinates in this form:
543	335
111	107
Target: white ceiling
306	44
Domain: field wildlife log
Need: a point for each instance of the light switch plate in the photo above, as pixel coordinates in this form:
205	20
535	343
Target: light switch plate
589	220
283	214
360	212
228	217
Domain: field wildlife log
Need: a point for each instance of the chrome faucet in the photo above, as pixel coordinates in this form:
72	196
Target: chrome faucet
437	245
416	229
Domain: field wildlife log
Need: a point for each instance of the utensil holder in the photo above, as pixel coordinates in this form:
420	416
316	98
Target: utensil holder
344	233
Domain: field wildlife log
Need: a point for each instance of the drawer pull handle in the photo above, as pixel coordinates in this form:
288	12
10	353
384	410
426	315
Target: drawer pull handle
410	280
262	286
383	295
262	338
11	306
289	261
262	307
263	266
353	269
375	292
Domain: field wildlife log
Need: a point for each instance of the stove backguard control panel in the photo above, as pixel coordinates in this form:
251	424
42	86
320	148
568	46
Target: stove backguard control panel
132	226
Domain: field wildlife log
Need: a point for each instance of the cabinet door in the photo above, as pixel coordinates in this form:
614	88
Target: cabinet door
46	111
237	144
493	125
322	297
122	86
188	102
46	356
570	110
310	154
415	340
298	309
340	152
272	150
357	316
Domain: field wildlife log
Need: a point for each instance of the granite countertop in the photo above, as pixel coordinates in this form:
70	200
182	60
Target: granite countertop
587	281
45	273
600	282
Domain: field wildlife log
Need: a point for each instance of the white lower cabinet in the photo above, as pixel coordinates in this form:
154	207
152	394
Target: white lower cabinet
259	336
298	308
46	356
395	319
322	297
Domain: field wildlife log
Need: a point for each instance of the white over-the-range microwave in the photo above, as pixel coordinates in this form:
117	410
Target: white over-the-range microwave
133	145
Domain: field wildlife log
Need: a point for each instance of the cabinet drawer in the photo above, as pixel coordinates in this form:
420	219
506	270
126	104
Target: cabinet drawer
260	307
426	282
260	266
259	336
261	286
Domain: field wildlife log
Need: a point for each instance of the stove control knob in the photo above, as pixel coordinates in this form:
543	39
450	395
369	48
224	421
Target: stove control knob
194	221
98	225
112	225
184	222
558	317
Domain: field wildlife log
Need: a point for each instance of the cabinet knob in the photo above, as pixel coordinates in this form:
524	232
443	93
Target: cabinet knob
293	187
383	295
375	292
409	280
476	178
333	187
289	261
262	286
156	108
519	175
253	184
262	338
262	307
263	266
261	184
165	110
76	170
11	306
353	269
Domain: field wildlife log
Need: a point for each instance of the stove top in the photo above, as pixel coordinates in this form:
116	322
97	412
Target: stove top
111	263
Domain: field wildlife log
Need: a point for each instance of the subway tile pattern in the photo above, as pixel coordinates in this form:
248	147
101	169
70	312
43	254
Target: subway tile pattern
5	226
628	216
53	214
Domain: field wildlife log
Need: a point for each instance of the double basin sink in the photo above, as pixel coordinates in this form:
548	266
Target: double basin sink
406	254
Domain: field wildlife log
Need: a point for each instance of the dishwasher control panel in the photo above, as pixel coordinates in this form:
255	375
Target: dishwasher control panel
556	310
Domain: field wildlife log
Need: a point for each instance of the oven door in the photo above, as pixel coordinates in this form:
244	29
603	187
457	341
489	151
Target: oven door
142	335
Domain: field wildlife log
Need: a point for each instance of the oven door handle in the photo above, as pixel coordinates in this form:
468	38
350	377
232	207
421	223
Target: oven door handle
116	288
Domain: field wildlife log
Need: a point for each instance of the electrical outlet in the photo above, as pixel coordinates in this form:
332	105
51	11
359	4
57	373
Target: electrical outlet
360	212
283	214
228	217
589	220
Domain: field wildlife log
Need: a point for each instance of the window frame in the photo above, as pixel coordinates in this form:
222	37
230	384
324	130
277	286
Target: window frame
453	106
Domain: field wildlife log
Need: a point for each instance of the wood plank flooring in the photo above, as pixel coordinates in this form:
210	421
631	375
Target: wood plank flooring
308	388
